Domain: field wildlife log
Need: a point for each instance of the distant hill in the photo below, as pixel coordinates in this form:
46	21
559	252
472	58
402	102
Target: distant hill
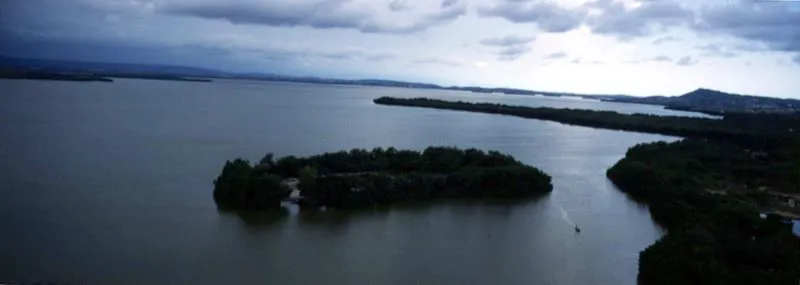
104	67
707	95
718	102
172	72
700	100
155	71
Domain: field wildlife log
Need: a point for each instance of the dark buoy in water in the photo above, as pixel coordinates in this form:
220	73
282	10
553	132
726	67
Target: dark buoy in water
577	229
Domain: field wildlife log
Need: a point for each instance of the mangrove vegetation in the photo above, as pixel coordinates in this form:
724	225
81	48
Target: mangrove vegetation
362	178
738	126
725	206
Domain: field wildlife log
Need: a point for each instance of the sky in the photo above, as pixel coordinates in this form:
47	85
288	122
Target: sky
633	47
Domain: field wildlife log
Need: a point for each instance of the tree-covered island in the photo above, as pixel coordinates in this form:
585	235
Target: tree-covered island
362	178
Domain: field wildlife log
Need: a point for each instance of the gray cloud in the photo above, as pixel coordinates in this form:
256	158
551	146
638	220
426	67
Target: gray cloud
715	50
556	55
448	3
398	5
322	14
667	39
350	55
579	60
381	57
710	47
775	26
449	12
438	61
617	20
512	47
507	41
513	52
285	54
796	59
749	46
548	17
662	58
686	61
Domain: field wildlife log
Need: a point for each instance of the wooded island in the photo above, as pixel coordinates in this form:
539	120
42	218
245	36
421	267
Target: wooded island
361	178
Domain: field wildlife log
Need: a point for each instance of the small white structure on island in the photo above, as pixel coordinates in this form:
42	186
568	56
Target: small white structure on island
294	192
291	183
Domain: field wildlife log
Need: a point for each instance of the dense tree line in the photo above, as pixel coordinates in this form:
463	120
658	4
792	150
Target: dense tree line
361	178
242	186
431	160
708	194
370	189
758	128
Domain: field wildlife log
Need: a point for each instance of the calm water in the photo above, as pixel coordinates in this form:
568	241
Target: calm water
111	184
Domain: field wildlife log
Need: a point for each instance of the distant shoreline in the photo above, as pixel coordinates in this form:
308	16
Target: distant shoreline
734	127
90	77
160	77
54	76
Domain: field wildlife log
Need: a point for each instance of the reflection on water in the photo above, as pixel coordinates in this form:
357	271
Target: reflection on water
112	184
258	221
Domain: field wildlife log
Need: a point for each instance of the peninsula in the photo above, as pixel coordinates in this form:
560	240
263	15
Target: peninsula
725	205
726	194
731	126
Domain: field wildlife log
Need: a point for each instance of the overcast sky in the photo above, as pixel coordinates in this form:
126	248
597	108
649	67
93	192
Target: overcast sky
632	47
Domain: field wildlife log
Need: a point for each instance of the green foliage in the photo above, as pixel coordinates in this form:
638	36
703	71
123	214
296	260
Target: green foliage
308	177
370	189
287	166
240	186
758	129
712	239
360	178
268	160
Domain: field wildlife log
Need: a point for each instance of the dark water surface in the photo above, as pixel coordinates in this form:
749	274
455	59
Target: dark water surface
110	183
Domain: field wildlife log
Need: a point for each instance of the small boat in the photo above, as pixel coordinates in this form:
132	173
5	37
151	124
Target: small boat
577	229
